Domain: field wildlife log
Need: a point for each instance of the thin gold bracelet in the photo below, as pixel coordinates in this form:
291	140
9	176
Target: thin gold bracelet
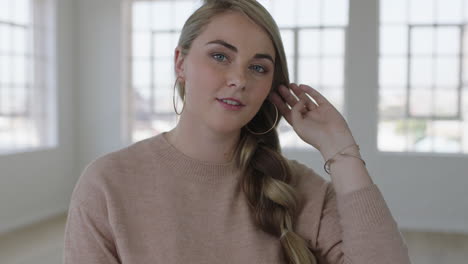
327	164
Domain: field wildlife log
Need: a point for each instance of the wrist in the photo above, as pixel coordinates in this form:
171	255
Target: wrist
344	144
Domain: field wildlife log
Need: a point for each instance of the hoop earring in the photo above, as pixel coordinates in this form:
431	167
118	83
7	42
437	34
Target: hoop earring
274	124
173	100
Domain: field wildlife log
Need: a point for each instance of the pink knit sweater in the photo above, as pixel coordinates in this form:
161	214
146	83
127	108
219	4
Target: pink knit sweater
149	203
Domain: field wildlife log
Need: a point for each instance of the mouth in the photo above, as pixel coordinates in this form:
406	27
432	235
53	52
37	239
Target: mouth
230	103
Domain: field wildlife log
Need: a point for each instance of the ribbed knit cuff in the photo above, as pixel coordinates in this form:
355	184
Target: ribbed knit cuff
364	209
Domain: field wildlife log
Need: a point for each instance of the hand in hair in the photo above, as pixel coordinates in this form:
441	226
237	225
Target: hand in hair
316	120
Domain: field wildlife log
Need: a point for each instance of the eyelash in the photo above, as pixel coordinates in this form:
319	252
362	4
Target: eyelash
262	71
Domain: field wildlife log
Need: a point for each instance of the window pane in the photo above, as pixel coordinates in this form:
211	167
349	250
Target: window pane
163	99
162	15
283	13
183	9
288	42
393	71
416	130
446	103
333	42
291	69
142	97
450	11
335	12
332	72
392	103
393	40
447	136
309	12
421	11
443	137
334	95
448	40
5	10
421	102
21	11
447	71
164	45
5	70
422	41
141	73
392	136
421	72
19	41
5	36
19	99
393	11
141	44
141	15
309	41
5	99
164	71
19	70
309	71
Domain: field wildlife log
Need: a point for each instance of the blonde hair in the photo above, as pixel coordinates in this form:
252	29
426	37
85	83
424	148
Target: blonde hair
266	175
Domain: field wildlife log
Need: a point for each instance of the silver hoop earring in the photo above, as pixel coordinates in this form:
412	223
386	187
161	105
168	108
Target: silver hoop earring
274	124
173	99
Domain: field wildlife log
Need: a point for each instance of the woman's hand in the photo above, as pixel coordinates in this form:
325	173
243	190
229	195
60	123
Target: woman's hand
319	124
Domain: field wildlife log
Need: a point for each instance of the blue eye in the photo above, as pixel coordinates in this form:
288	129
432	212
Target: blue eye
259	68
219	57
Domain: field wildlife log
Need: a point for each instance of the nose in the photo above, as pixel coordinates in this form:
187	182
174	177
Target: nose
236	78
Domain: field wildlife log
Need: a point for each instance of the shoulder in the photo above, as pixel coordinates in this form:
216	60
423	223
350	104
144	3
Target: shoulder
115	172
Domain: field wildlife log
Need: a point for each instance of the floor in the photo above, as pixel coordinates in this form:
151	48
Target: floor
42	244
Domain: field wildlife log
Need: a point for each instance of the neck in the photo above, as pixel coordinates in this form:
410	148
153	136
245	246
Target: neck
203	144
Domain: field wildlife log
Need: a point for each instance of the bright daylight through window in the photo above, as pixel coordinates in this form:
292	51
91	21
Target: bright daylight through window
423	104
26	75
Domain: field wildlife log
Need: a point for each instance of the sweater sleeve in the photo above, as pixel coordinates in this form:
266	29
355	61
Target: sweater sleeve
88	233
358	228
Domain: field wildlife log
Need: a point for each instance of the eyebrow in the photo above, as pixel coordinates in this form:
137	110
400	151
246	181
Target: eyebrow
231	47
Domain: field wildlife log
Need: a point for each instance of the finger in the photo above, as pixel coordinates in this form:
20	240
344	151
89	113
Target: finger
282	107
298	111
309	103
289	98
300	93
318	97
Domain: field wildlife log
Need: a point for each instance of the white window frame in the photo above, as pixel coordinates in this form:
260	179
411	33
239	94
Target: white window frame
42	107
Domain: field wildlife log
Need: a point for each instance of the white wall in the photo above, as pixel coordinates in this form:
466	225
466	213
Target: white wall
37	184
424	192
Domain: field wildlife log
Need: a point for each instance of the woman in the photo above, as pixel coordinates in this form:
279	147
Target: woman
216	188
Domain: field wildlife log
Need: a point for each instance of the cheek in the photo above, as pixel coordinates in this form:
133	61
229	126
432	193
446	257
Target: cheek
202	75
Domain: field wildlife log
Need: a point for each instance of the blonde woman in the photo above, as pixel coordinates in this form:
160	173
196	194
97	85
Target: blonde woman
216	188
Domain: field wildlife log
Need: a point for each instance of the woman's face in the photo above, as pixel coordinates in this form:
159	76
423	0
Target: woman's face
233	58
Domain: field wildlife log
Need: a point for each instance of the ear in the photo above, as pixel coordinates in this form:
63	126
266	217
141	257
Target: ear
179	63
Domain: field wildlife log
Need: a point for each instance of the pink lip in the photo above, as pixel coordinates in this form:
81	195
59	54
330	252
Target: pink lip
228	106
232	99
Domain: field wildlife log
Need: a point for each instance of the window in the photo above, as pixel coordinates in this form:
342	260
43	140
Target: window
423	90
155	30
26	75
313	33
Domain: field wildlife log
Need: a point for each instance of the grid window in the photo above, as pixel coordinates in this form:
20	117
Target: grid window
25	119
155	30
314	45
313	33
423	92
